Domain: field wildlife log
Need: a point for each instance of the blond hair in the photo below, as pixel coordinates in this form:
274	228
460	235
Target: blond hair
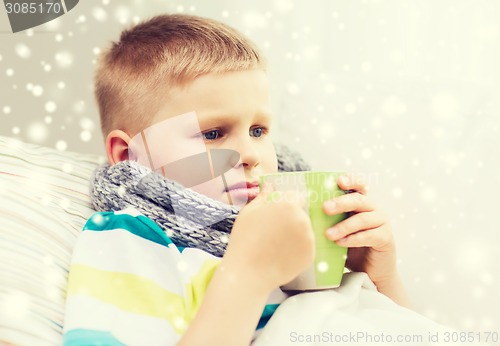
159	54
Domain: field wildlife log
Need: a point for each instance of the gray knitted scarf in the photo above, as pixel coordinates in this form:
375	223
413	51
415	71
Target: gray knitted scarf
189	218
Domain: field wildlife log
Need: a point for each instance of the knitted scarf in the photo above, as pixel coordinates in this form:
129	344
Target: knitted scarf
198	221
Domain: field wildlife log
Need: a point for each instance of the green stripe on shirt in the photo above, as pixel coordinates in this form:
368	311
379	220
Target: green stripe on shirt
109	221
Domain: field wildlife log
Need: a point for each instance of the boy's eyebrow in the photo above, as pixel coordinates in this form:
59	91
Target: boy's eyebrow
228	117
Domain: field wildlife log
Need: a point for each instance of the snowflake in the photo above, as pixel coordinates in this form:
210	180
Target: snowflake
81	19
439	277
322	267
15	305
61	145
366	153
486	278
283	5
87	124
182	266
326	130
393	106
67	167
85	136
350	108
397	192
79	107
48	260
97	219
37	132
36	90
121	191
50	106
180	323
99	14
329	88
51	276
445	105
23	51
255	20
293	88
366	66
64	59
428	194
122	14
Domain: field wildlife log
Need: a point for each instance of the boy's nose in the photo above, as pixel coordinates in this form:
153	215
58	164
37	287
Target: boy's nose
249	154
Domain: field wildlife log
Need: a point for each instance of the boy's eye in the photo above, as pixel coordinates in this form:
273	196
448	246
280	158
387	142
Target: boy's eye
211	135
257	131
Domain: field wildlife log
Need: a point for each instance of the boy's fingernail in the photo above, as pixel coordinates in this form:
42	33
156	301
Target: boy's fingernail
332	232
344	179
330	205
341	241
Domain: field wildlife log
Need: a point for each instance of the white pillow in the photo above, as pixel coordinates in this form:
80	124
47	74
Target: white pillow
44	203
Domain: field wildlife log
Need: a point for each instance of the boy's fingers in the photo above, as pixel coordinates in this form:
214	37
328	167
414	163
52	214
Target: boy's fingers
356	223
355	202
351	182
370	238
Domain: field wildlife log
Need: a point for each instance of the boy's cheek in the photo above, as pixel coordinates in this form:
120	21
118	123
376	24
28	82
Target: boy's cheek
218	189
213	189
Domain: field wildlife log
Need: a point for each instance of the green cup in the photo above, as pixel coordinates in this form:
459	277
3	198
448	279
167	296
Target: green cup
317	187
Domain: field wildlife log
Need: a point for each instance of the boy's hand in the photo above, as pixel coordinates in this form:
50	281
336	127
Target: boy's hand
367	233
271	241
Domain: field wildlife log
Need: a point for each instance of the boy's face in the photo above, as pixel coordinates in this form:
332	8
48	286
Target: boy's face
232	113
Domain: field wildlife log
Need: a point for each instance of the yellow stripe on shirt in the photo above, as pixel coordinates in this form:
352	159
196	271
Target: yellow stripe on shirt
197	288
130	293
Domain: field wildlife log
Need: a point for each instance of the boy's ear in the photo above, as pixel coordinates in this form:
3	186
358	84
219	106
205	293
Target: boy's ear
117	146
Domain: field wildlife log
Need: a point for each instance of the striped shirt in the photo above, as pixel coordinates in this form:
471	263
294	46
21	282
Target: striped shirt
129	284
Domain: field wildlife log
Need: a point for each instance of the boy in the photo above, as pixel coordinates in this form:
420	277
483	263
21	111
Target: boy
161	70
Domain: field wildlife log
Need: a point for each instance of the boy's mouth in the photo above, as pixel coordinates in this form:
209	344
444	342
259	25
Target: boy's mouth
244	190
